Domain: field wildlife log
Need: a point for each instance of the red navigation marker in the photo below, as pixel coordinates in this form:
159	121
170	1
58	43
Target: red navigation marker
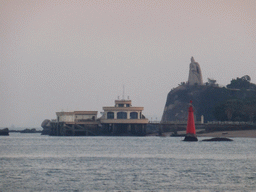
191	129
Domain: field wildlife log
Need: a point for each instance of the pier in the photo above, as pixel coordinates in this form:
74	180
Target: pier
122	119
95	128
74	129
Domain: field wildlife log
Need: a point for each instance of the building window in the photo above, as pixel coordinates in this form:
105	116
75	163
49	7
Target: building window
120	105
127	105
121	115
110	115
133	115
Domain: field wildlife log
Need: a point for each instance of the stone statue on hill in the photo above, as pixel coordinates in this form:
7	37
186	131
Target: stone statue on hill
195	74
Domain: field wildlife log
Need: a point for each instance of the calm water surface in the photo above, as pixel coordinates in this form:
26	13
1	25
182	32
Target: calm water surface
31	162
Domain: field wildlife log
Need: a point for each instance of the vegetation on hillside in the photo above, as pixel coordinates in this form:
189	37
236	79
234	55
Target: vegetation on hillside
242	83
237	109
235	102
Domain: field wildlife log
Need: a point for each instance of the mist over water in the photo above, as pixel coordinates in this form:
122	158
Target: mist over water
31	162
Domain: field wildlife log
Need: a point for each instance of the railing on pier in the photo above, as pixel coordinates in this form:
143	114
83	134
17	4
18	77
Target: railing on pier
154	122
172	122
230	123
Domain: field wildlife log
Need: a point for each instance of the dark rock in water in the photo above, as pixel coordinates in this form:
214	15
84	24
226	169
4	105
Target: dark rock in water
46	125
218	139
28	131
4	131
190	138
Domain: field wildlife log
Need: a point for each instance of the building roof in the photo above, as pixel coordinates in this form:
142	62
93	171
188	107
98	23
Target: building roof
123	108
78	113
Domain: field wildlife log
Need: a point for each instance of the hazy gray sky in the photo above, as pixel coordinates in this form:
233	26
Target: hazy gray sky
77	55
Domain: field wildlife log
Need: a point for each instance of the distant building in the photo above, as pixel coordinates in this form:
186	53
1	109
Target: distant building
211	82
120	119
124	119
76	117
76	123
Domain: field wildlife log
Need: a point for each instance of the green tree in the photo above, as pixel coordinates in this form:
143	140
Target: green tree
236	110
241	83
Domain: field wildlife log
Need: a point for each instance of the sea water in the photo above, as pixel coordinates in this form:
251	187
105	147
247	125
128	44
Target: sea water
31	162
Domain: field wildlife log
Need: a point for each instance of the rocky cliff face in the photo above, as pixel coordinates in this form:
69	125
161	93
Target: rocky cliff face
205	98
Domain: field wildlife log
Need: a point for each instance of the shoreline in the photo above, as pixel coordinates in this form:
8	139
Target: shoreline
239	133
231	134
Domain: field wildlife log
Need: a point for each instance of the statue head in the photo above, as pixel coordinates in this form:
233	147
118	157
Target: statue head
192	60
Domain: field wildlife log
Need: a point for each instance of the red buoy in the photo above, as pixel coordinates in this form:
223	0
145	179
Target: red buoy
191	129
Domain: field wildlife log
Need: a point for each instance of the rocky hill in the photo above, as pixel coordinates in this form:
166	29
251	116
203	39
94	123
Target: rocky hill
235	102
206	100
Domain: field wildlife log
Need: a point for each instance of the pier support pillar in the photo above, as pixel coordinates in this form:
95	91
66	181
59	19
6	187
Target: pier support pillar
73	130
